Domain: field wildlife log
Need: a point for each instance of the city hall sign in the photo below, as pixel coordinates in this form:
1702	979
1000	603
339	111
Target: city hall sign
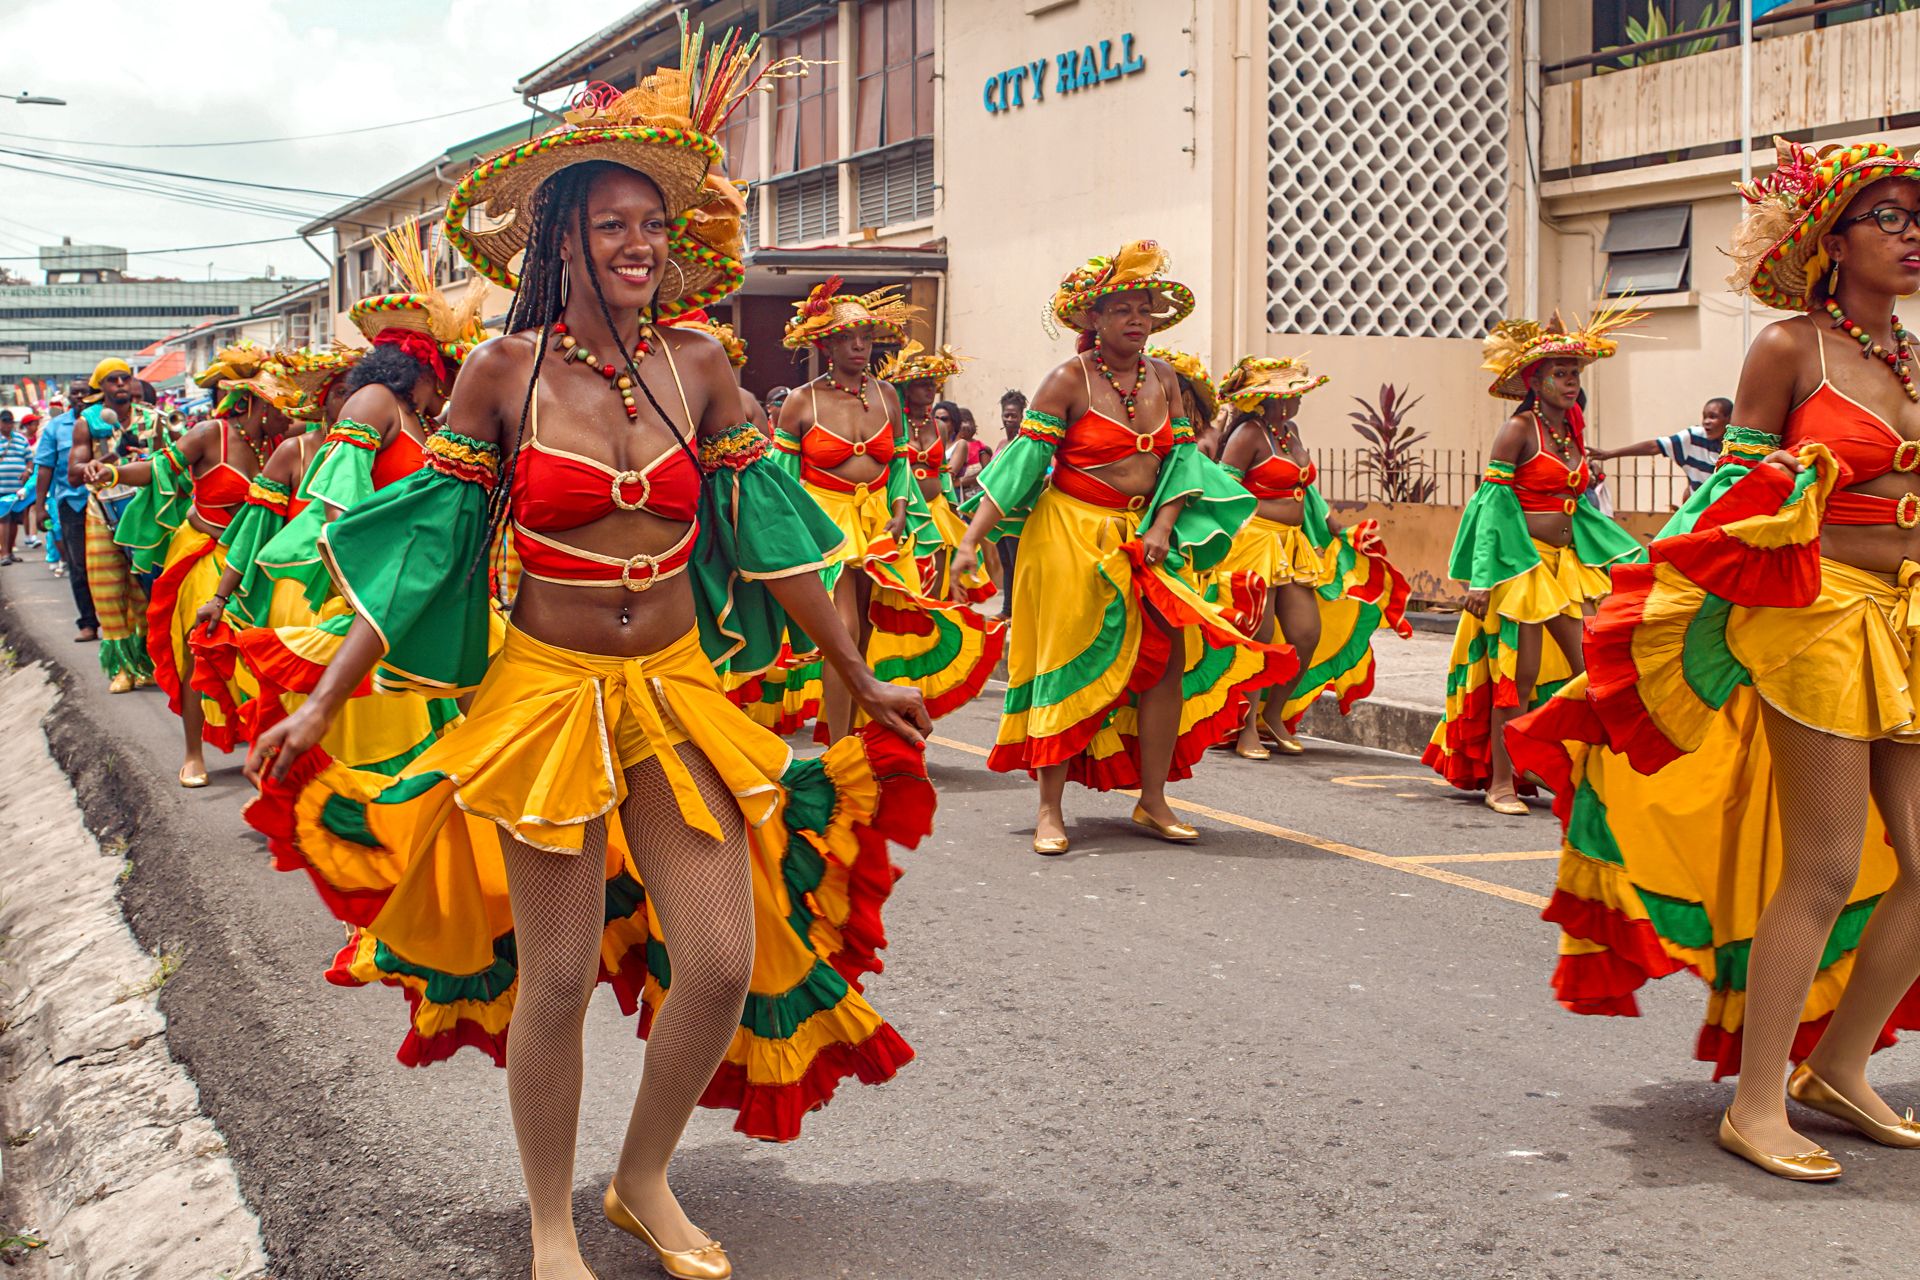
1070	72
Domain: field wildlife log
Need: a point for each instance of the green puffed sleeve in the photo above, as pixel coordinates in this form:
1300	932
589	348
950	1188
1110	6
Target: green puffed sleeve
1217	505
901	486
1014	477
1315	519
254	525
147	525
342	475
785	454
411	561
1600	542
756	524
1493	545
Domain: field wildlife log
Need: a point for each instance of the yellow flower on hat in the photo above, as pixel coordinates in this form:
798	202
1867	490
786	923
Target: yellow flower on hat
913	362
1140	266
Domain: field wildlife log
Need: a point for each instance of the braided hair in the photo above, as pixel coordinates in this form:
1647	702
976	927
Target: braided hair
539	302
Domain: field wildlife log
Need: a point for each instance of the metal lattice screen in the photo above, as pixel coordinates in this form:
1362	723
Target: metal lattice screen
1387	166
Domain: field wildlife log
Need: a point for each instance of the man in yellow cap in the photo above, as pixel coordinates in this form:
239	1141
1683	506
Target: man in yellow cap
118	599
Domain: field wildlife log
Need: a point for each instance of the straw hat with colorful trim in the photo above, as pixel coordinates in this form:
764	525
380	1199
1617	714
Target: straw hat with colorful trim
826	311
1516	346
247	367
313	371
1194	370
666	127
732	343
421	309
1254	380
1776	248
914	363
1140	266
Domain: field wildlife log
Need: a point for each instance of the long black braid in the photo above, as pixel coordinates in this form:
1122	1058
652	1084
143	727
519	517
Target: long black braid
540	301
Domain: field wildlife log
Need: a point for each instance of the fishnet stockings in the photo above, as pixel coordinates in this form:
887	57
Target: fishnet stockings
701	891
1823	784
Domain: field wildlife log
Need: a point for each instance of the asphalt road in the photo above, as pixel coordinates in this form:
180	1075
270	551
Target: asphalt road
1320	1044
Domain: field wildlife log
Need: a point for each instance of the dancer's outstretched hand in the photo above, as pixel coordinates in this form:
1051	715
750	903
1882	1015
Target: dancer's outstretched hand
278	747
898	707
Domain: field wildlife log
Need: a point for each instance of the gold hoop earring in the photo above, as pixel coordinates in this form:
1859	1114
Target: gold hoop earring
681	272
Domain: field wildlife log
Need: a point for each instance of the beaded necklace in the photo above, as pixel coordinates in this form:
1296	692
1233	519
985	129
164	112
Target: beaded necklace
571	349
1129	400
1871	350
1562	440
860	394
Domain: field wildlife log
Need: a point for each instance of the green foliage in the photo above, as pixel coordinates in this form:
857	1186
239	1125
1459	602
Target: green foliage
1655	28
1398	474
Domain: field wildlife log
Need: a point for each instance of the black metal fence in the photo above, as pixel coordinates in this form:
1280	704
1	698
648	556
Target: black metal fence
1652	485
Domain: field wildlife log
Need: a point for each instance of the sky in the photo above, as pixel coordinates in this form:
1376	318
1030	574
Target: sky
195	71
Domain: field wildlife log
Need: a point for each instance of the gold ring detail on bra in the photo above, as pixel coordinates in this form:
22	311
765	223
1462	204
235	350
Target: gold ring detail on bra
859	448
1906	512
650	563
1143	444
1906	456
1138	502
631	477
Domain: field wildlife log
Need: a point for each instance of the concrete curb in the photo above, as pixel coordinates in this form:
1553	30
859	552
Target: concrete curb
1373	722
116	1165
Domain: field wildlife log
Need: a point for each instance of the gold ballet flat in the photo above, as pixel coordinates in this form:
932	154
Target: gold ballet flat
1514	808
1809	1166
1809	1090
122	683
1050	846
1252	753
1285	746
192	781
1173	832
708	1262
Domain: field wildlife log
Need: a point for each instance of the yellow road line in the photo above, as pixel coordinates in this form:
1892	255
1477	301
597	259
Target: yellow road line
1540	856
1410	866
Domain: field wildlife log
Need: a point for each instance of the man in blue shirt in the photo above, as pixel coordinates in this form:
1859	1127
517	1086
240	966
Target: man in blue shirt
59	494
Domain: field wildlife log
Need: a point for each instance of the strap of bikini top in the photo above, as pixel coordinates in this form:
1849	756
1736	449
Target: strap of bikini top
533	411
1086	378
666	349
1820	341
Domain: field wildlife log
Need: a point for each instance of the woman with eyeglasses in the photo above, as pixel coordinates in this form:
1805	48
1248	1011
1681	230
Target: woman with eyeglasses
1739	773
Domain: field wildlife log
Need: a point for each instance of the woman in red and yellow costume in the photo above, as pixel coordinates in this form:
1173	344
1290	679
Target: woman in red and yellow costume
917	376
394	394
192	489
603	813
246	596
1532	549
1739	771
1294	576
1198	393
1120	673
844	437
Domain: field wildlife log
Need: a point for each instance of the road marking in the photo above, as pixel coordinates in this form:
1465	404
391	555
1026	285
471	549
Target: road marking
1538	856
1376	781
1408	865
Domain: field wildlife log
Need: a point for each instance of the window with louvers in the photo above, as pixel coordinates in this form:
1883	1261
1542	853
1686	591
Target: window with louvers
897	186
807	208
750	223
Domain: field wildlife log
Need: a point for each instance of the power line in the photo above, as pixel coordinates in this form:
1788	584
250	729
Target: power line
154	253
256	142
115	166
201	199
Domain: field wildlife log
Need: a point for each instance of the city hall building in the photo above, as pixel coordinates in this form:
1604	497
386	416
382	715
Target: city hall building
1372	183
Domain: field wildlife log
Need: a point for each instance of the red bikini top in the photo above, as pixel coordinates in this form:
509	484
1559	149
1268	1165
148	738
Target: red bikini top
821	449
221	489
554	491
927	462
398	459
1280	477
1545	482
1866	446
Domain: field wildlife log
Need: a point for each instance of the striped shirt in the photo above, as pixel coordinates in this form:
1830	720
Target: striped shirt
1694	452
16	461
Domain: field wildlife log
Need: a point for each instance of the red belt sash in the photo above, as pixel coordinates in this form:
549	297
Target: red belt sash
543	558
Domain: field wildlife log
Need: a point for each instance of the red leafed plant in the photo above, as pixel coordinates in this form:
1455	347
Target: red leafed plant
1396	471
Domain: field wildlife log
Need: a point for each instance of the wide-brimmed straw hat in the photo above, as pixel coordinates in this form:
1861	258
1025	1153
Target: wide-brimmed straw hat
1140	266
732	343
419	308
914	363
826	311
313	371
1516	346
247	367
666	128
1254	380
1776	247
1193	370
